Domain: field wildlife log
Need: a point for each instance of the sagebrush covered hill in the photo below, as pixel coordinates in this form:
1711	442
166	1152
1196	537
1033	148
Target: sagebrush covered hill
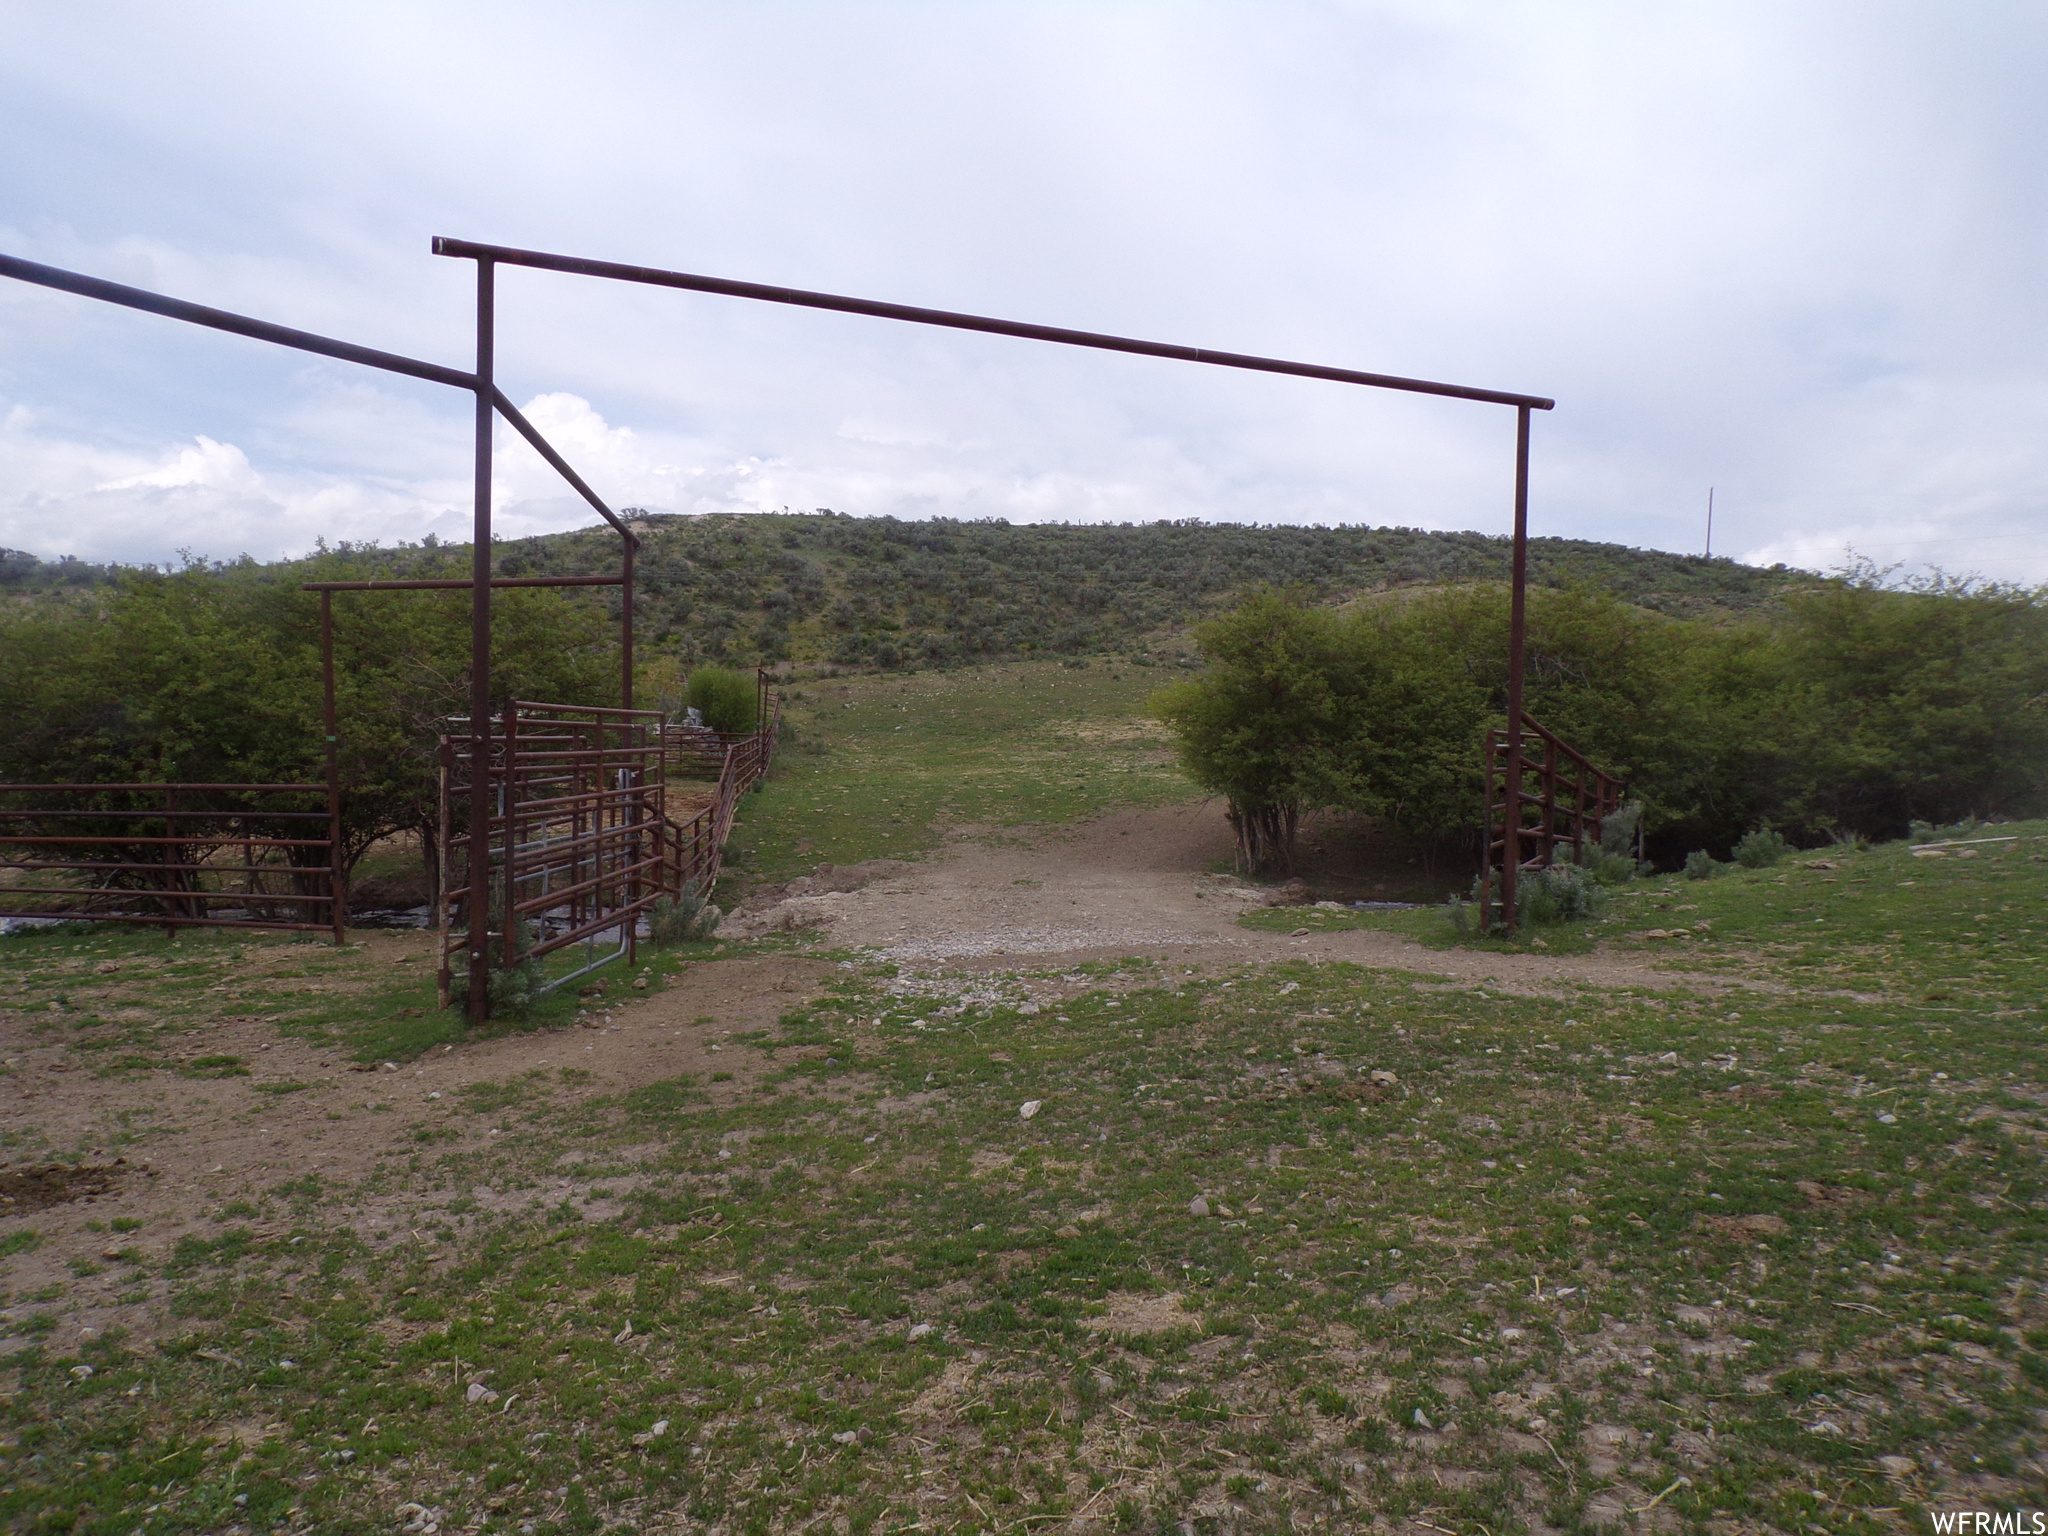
827	587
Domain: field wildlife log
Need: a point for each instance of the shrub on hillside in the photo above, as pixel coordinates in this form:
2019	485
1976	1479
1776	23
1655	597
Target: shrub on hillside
1562	893
1601	866
1761	849
727	699
1852	708
212	674
1702	865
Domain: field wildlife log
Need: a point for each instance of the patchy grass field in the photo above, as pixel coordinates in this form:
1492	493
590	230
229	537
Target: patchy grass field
1756	1246
885	766
132	1000
1958	924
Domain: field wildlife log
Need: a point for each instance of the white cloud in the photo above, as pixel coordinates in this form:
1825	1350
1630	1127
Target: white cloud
206	464
65	496
1791	252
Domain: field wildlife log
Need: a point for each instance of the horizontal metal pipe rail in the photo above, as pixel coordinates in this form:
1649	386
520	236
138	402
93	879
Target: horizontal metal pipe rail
308	341
455	584
953	320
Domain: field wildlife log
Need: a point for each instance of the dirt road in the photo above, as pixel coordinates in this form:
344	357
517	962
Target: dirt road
1134	883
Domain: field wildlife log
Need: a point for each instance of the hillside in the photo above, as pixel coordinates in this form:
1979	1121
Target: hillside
826	587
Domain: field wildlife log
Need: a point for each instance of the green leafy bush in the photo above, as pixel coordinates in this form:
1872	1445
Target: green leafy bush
1702	865
1602	865
1305	707
1618	833
1562	893
726	698
212	673
1852	706
1761	849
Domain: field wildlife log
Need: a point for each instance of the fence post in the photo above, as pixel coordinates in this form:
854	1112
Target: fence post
478	938
173	856
1511	852
1549	848
443	901
337	896
1486	836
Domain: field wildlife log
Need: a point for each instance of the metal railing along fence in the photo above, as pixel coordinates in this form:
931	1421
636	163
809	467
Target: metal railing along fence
1524	826
175	855
697	847
582	839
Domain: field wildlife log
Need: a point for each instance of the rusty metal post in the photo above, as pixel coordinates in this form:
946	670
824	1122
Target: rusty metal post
1511	846
1486	838
634	739
174	855
600	819
626	621
336	896
634	762
1548	850
1579	815
479	1006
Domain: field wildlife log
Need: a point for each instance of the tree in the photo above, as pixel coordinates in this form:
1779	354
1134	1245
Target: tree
212	674
1855	704
1256	729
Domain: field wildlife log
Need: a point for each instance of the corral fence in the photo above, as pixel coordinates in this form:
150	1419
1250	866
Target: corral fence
587	832
697	847
174	855
1545	797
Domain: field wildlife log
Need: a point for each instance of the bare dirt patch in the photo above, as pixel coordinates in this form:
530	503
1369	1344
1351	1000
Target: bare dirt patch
1129	883
24	1191
1127	1312
216	1142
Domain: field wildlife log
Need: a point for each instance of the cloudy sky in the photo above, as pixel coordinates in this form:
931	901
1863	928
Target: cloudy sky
1793	251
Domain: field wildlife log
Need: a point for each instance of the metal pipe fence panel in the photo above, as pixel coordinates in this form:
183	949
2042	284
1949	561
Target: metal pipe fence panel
1539	798
575	834
175	855
587	831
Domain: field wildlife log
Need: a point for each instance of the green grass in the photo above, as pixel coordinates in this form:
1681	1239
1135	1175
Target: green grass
133	1000
883	766
1428	926
1731	1247
1948	929
1600	1242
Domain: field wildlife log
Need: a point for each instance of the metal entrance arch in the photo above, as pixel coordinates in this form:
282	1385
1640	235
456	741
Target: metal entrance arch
489	257
490	404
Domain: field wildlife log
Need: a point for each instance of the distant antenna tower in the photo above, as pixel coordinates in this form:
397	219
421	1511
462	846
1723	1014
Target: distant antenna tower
1710	522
